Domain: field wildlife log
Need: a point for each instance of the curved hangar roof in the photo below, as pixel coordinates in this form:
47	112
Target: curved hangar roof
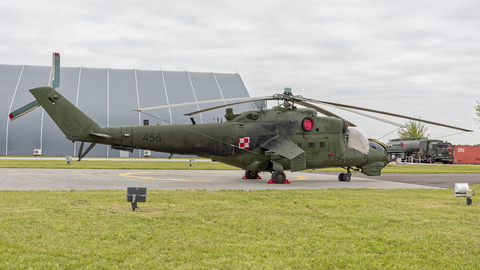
108	96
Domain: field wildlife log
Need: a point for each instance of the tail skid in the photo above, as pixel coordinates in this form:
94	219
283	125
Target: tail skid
80	154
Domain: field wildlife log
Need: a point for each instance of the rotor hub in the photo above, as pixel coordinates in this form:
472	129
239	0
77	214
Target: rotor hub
288	98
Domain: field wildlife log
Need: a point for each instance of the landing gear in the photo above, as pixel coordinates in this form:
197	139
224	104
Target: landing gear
279	177
346	177
80	155
251	175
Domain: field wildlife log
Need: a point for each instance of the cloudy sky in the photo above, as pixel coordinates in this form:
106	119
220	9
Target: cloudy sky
419	58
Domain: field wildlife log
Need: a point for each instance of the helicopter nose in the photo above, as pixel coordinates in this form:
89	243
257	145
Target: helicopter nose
377	155
377	160
384	159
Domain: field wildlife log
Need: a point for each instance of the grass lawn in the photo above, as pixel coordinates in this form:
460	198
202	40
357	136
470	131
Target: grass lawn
157	164
262	229
269	229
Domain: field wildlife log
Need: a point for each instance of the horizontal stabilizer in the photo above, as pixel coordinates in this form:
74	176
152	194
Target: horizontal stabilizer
100	135
23	110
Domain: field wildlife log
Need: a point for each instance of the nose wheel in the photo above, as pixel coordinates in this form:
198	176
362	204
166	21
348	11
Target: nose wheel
345	177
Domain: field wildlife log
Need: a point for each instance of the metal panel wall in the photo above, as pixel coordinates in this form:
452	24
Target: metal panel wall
206	88
24	137
109	97
151	92
232	86
175	80
9	77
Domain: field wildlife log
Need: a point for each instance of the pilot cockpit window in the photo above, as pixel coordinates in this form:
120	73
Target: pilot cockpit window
377	146
253	116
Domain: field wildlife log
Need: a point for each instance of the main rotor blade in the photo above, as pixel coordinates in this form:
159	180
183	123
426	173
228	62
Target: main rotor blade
322	111
225	105
373	117
387	113
248	99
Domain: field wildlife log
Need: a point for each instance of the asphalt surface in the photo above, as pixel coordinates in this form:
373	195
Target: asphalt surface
432	180
80	179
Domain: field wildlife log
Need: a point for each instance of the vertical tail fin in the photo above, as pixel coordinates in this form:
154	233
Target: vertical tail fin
75	124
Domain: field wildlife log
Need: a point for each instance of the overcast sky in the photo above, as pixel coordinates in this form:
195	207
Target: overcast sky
419	58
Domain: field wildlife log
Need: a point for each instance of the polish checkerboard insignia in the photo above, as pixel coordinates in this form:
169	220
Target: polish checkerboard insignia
244	142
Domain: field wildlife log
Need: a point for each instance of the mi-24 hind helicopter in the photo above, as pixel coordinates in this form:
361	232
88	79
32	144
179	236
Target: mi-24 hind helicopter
281	138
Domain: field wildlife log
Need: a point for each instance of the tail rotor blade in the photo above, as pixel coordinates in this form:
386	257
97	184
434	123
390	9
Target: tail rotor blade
23	110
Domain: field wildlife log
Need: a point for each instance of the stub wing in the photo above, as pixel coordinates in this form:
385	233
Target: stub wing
282	147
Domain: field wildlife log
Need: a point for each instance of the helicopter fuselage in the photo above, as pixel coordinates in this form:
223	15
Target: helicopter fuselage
238	141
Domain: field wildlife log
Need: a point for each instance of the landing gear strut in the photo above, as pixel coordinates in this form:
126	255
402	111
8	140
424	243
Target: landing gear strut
278	176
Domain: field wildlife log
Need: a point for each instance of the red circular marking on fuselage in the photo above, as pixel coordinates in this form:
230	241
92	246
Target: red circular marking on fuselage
307	124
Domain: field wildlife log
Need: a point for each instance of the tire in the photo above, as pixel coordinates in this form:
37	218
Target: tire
340	177
279	177
251	175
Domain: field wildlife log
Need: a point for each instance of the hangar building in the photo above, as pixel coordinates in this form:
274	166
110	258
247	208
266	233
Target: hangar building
109	96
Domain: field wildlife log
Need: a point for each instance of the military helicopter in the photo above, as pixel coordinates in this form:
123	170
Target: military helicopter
284	137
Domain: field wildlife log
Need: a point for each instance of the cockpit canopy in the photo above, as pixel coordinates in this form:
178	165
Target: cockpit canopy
357	141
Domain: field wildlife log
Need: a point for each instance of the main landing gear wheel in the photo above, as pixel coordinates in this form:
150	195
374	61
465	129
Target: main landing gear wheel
345	177
251	175
279	177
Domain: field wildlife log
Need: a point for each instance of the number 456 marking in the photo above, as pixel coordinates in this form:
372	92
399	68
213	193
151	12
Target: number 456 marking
152	138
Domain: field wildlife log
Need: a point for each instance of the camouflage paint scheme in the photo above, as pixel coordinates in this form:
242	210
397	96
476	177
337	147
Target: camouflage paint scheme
271	140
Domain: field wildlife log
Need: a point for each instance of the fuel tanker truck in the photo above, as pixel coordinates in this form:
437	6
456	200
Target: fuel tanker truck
420	150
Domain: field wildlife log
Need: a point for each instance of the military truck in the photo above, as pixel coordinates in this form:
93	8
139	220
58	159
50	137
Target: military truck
420	150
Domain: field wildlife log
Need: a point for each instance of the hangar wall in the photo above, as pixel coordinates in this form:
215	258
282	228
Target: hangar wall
109	97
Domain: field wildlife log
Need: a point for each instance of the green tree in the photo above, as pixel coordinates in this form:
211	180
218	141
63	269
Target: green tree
413	129
477	108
